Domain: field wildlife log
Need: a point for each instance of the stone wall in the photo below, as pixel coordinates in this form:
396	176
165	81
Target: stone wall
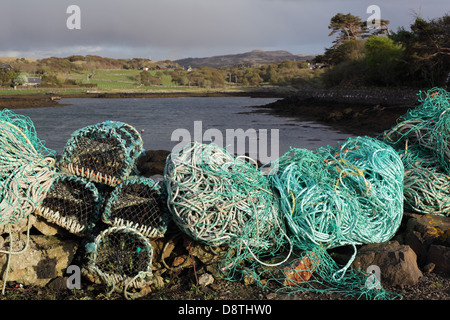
372	96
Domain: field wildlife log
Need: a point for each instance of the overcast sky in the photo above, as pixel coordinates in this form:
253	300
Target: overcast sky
174	29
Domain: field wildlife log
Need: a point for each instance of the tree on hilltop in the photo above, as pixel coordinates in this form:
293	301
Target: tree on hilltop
348	27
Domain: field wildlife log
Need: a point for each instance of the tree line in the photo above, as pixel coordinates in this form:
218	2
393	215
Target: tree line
419	57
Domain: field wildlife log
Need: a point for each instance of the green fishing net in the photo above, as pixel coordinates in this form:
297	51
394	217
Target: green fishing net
350	194
27	168
421	138
331	197
27	172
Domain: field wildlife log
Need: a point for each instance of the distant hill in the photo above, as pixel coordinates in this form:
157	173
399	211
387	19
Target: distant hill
253	57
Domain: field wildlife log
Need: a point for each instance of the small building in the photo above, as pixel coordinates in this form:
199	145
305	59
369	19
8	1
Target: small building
314	66
6	67
163	67
33	81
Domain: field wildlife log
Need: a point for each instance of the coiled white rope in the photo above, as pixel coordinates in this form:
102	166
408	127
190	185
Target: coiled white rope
25	176
223	200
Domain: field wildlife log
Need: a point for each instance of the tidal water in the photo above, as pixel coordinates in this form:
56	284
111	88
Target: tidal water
166	123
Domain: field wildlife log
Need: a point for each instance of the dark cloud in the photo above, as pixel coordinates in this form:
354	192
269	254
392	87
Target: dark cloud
180	28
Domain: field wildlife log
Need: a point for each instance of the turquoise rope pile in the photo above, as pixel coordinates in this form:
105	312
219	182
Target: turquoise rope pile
27	172
421	138
351	194
331	197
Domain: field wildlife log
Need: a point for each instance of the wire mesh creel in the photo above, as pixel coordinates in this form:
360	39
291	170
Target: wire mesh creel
138	203
120	257
72	203
104	153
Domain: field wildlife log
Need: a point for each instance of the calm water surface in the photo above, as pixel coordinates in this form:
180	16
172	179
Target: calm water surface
160	117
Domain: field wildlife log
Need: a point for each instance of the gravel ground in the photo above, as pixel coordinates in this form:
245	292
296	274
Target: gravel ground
183	287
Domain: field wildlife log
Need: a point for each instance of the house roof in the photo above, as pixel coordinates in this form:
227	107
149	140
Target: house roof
170	66
34	80
6	66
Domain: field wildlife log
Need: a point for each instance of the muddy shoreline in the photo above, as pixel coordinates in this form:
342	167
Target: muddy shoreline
356	112
53	100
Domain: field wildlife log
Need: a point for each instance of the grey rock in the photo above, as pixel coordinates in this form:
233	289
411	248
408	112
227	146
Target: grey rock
19	226
45	258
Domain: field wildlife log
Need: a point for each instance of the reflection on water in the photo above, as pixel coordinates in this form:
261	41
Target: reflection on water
161	119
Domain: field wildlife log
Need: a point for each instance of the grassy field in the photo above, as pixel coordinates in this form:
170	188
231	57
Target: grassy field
106	81
115	88
115	81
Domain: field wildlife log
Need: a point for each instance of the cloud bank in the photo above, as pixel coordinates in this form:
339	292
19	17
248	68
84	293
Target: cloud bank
172	29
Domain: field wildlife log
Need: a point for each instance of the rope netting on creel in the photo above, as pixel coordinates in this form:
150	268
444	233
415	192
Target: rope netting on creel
351	194
105	152
421	137
122	258
139	203
222	200
72	203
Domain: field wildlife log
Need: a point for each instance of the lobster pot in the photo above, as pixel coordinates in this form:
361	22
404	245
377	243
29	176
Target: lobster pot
137	203
72	203
120	257
104	153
